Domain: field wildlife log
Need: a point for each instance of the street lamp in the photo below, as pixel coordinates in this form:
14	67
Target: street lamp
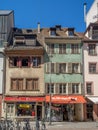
50	91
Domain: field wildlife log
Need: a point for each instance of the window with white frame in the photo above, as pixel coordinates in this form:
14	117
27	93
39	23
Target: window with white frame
62	48
50	48
75	67
92	49
36	61
89	88
74	48
62	88
75	88
50	87
92	68
62	67
10	109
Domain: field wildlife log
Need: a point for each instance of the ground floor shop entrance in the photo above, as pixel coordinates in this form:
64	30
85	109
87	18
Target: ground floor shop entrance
24	107
92	107
65	108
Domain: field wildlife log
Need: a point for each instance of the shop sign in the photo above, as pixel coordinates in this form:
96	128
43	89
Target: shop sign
24	106
64	98
18	99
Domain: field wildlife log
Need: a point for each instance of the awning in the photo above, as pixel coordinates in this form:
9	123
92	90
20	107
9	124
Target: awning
93	99
61	99
24	99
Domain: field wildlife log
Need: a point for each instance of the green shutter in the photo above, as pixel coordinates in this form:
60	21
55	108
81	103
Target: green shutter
69	88
69	67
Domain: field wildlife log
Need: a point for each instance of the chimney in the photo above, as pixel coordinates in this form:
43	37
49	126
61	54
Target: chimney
85	12
38	27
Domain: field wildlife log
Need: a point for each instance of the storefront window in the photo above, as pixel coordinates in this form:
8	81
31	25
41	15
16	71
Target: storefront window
56	113
25	109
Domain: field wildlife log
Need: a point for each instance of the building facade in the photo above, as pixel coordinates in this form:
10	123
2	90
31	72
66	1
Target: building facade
6	22
63	74
92	14
90	52
24	88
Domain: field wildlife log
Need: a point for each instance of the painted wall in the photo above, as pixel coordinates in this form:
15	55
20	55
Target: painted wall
92	14
90	77
24	73
67	58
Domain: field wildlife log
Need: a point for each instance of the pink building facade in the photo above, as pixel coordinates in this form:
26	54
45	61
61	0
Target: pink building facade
90	59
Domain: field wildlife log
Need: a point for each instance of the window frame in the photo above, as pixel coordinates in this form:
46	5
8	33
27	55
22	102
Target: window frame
74	48
91	88
92	49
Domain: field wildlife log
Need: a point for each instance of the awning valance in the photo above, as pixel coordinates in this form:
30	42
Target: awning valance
93	99
24	99
61	99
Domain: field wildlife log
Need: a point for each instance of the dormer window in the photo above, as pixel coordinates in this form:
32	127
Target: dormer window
70	32
19	40
52	31
58	27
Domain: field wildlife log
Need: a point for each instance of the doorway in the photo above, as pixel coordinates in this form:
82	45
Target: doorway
39	112
89	111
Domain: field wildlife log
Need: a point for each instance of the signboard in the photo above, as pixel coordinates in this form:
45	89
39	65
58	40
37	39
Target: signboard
28	99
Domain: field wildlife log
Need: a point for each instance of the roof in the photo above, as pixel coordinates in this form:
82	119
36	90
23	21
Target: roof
5	12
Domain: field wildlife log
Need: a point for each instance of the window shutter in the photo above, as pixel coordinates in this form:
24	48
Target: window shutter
69	67
81	68
81	89
57	68
47	67
69	88
57	88
97	67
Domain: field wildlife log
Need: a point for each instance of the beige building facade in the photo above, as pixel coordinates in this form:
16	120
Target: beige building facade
24	89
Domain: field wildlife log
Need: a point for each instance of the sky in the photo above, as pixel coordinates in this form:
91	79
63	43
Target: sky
67	13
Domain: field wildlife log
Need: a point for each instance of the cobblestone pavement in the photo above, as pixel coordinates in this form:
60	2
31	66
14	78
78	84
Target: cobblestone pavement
72	126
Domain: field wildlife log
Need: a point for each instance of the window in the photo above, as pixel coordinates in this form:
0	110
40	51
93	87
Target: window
13	61
71	33
25	61
92	49
62	48
92	68
53	33
89	88
10	109
36	61
32	84
62	88
50	48
74	48
75	88
75	67
16	84
49	86
62	68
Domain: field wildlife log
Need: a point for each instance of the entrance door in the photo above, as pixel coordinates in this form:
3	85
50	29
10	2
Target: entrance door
39	112
89	108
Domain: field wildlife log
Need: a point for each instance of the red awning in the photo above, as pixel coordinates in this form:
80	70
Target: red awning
27	99
61	99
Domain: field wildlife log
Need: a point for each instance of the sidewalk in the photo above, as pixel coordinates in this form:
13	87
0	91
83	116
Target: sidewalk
72	126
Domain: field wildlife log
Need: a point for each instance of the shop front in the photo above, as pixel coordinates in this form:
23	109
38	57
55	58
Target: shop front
92	107
24	107
65	108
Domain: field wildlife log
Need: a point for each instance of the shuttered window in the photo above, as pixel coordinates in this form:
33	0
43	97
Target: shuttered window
69	67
